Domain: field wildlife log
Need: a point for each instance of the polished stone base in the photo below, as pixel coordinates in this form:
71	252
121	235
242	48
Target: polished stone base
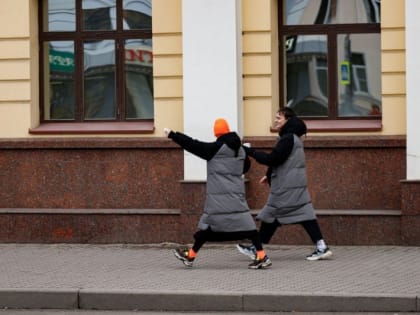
131	190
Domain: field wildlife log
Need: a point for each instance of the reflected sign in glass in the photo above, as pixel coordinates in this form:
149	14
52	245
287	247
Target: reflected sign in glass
60	80
359	84
345	73
61	61
139	79
307	74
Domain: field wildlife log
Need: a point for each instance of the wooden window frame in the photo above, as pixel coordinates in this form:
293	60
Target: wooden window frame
333	122
80	125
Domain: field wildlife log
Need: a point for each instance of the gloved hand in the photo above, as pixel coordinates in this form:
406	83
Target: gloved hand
167	131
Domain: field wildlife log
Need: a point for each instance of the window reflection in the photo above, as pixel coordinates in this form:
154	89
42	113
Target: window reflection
358	85
304	12
139	78
59	85
99	15
307	74
61	15
91	92
137	14
99	79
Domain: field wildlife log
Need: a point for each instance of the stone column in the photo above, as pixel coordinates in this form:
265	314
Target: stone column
410	188
413	91
212	72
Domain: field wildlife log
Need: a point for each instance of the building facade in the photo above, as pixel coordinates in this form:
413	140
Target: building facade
87	86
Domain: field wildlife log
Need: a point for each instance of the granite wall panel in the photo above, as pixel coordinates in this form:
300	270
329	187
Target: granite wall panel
360	173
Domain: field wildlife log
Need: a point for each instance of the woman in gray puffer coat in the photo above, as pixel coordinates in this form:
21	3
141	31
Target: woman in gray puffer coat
289	201
226	215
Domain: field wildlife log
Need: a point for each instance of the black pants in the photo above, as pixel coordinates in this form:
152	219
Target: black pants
203	236
311	227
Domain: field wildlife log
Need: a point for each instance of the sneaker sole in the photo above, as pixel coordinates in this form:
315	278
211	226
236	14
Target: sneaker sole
262	266
322	257
242	251
183	259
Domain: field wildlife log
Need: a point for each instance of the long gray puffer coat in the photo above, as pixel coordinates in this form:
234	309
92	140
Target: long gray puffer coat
289	200
226	209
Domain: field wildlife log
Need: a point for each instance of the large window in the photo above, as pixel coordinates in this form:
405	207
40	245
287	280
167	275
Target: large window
330	66
96	60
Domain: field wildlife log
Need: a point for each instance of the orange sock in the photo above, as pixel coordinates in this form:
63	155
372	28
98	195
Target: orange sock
260	254
191	253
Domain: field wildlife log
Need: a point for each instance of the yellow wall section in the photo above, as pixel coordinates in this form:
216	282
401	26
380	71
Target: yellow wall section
17	117
171	111
15	70
393	13
395	106
393	61
19	65
393	67
14	48
256	15
392	39
15	73
256	42
256	64
14	18
13	91
167	16
257	49
167	44
167	66
258	115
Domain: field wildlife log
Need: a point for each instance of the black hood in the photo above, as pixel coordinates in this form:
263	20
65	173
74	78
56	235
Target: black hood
295	126
232	140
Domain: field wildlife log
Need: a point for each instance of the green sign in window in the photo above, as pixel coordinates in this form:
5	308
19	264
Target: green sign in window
61	61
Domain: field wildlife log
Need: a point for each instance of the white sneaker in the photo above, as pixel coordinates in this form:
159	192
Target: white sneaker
249	251
319	254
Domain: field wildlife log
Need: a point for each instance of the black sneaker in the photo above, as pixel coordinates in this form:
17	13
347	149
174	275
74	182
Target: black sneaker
319	254
260	263
182	254
249	251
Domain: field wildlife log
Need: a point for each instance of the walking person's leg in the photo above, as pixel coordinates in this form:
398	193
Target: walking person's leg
261	260
314	231
187	255
266	232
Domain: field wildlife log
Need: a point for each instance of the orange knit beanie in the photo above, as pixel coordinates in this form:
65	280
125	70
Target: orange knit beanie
221	127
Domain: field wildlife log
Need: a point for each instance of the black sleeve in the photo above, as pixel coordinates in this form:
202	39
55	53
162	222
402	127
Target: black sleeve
278	155
204	150
247	163
268	175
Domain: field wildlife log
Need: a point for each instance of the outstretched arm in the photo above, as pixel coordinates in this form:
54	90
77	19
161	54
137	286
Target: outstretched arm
204	150
278	155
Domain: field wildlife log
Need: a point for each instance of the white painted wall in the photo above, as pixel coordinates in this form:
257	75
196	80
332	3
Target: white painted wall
212	83
412	9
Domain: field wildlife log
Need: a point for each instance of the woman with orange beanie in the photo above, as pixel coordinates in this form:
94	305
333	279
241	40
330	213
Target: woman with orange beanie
226	215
